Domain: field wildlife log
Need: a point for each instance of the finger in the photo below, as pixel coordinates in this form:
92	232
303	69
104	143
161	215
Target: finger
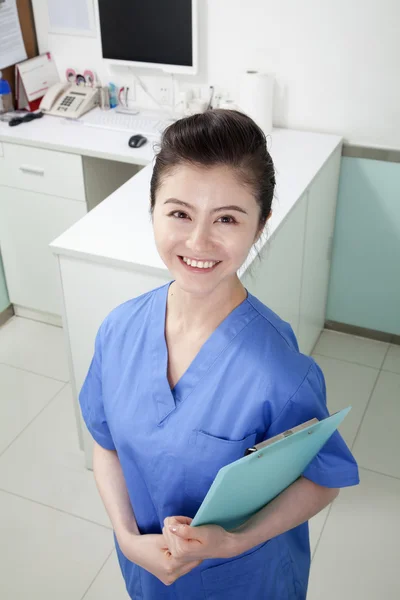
177	520
185	532
167	521
171	541
182	520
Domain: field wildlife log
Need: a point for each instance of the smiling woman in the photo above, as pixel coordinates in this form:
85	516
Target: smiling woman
187	376
211	195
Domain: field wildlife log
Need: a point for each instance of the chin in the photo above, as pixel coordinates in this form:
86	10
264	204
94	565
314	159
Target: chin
203	286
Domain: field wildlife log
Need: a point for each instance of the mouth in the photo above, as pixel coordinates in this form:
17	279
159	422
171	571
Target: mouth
199	266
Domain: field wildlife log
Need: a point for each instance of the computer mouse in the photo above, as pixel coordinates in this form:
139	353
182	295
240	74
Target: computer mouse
137	141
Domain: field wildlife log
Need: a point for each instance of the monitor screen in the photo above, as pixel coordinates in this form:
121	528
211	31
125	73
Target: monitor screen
147	31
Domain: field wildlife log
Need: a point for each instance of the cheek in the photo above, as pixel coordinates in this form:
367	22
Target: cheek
238	245
165	234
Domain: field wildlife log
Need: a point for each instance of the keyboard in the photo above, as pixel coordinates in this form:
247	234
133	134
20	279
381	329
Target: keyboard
110	119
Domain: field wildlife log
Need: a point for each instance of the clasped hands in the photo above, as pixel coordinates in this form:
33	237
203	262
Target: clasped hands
179	549
189	546
196	543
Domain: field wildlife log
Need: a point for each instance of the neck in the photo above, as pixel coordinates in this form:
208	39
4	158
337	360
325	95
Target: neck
189	313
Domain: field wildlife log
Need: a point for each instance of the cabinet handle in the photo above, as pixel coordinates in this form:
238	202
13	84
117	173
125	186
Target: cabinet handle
34	170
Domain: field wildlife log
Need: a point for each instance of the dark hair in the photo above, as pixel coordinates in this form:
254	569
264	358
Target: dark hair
218	137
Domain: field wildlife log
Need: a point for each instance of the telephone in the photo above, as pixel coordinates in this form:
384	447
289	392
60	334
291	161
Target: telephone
71	101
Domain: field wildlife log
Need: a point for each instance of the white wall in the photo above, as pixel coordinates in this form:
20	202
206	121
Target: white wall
336	61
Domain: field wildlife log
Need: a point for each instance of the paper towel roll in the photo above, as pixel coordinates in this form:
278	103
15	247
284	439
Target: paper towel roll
256	98
229	105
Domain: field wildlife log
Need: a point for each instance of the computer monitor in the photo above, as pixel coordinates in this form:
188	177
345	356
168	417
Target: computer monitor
159	34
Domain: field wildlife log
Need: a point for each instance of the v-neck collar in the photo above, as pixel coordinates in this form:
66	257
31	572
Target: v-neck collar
166	398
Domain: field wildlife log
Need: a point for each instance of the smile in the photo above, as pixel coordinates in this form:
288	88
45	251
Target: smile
199	265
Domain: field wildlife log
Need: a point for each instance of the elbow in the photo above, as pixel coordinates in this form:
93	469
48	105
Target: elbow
332	494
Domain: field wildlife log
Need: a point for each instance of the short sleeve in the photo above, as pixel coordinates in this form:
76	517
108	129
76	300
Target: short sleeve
334	466
91	400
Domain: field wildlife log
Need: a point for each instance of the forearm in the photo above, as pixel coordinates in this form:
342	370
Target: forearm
112	488
298	503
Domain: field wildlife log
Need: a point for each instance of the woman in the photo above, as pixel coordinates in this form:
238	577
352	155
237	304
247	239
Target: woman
186	377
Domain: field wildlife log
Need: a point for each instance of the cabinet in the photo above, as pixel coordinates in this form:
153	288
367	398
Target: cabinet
293	274
275	278
40	170
30	221
320	223
42	194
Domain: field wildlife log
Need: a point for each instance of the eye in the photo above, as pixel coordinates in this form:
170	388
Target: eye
228	220
178	214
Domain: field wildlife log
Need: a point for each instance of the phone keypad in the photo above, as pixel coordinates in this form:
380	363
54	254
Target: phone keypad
66	103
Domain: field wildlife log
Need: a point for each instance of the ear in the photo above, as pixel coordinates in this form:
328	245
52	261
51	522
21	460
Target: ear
261	229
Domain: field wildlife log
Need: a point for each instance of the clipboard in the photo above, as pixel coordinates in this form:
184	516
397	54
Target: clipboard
243	487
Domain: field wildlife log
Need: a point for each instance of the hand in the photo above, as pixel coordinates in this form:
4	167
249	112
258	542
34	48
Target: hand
197	543
151	552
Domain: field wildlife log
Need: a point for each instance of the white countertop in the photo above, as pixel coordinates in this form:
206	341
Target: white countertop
66	135
119	231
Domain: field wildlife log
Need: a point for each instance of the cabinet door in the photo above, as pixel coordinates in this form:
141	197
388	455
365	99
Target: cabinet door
320	222
276	280
29	222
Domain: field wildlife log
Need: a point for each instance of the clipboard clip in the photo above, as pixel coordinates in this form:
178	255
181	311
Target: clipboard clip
280	436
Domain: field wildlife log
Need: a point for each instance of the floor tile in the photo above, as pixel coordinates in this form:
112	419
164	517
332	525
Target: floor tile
358	555
109	583
392	360
23	395
351	348
35	347
45	464
47	554
347	384
377	446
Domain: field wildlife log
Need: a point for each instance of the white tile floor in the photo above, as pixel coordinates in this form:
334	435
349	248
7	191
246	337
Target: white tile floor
56	541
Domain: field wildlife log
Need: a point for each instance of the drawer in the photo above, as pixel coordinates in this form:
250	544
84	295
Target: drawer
43	171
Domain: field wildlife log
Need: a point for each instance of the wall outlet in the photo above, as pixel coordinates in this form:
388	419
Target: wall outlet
164	93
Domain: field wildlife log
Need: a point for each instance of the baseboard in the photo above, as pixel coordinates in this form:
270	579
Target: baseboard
37	315
6	314
371	334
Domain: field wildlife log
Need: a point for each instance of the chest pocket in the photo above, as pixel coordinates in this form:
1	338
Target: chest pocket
206	455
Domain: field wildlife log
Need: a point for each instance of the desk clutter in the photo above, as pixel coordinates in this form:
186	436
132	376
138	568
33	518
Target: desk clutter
82	97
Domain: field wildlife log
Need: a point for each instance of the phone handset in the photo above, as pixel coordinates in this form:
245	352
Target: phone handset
52	94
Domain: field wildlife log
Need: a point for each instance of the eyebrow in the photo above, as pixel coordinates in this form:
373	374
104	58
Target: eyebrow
229	207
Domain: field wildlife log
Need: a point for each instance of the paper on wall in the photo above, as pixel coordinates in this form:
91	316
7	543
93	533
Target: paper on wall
75	17
12	49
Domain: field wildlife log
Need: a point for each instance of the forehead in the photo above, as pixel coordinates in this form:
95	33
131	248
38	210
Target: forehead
215	184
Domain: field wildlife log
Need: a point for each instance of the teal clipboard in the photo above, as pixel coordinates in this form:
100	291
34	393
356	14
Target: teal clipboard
243	487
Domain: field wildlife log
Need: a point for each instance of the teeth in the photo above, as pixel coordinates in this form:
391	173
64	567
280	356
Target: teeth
199	264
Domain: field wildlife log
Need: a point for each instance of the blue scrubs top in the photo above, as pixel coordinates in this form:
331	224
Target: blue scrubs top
248	383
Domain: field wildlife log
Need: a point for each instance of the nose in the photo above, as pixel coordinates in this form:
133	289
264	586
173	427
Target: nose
199	241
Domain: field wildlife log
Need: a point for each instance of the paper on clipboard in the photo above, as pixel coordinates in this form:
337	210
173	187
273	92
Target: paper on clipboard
12	48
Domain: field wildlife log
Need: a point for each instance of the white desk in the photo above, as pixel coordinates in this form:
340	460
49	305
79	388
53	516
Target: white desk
110	256
52	172
63	135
